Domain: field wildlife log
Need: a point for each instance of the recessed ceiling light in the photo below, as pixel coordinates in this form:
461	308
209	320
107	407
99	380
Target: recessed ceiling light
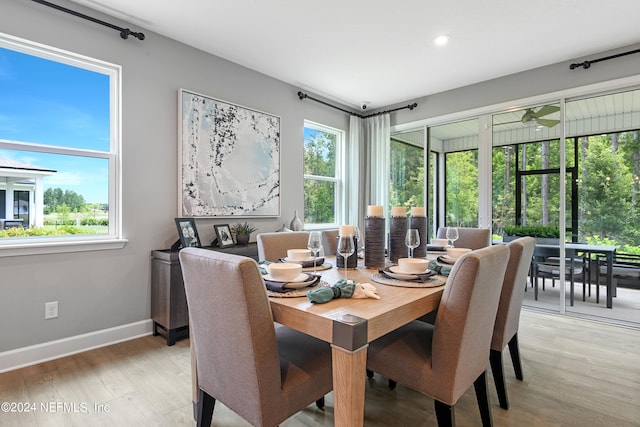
441	40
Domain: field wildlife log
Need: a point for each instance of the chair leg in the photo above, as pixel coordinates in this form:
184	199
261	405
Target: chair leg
392	384
444	414
515	356
320	403
480	384
206	404
369	373
495	358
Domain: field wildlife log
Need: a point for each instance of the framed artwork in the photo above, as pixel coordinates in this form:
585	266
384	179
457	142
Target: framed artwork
188	232
223	233
229	159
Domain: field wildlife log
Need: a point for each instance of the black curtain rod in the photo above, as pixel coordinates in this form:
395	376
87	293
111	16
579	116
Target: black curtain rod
124	32
304	95
587	64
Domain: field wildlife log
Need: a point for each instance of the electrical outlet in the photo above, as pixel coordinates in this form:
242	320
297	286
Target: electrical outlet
51	310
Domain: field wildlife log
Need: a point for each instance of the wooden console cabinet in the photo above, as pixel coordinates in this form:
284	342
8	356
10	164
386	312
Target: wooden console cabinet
168	301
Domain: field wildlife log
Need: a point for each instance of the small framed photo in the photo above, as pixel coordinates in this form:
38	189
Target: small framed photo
223	233
188	232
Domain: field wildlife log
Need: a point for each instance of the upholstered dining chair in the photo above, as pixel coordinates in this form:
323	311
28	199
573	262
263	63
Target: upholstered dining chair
505	330
273	246
443	360
263	373
329	241
468	237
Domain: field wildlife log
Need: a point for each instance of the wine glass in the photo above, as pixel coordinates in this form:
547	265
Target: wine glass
345	248
452	235
315	246
412	240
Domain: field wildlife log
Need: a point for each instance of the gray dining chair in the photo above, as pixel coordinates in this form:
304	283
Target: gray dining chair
273	246
445	359
263	373
329	241
505	330
468	237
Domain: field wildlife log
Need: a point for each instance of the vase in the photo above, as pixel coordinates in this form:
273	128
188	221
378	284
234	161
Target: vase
242	239
374	242
397	233
296	222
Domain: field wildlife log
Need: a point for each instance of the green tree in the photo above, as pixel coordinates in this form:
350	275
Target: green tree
319	161
606	191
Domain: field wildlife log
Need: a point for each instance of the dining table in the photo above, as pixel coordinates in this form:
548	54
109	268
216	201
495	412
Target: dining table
349	325
573	248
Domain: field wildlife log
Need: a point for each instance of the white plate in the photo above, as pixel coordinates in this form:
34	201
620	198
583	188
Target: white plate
300	279
396	269
446	259
401	276
287	259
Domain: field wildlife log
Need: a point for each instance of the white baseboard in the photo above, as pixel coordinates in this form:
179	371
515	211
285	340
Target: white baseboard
26	356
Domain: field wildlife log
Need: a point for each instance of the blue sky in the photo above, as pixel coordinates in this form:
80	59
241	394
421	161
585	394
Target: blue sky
51	103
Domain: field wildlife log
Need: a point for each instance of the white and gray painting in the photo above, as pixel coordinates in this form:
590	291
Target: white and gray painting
230	159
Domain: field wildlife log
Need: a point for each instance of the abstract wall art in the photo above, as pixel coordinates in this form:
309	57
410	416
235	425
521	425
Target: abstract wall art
229	159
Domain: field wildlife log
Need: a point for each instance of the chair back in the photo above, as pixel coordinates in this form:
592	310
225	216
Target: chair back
232	330
330	242
465	320
468	237
273	246
513	286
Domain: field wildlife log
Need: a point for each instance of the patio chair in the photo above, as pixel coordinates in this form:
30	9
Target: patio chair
546	265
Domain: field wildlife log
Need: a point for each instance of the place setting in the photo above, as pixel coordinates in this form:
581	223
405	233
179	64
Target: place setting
409	272
286	279
305	258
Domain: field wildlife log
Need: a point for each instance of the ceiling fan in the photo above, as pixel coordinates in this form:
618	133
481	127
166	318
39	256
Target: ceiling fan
536	116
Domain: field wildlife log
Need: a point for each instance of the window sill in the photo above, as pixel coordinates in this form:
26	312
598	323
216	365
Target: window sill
41	248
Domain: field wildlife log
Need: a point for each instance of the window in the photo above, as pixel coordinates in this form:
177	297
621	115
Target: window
406	183
59	150
322	175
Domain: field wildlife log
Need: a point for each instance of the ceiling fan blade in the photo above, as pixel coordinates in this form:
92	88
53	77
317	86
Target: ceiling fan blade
528	116
546	110
547	122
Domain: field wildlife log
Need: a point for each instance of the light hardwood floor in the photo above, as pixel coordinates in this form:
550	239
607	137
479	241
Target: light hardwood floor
577	373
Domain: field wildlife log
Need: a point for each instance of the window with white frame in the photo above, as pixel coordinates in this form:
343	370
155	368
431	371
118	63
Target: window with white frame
323	173
59	148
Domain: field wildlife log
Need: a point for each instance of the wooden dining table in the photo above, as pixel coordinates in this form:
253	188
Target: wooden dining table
349	325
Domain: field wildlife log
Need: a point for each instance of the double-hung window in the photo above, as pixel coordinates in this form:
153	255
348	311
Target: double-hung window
323	171
59	150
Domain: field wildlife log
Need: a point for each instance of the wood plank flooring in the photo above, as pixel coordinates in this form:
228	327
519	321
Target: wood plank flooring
577	373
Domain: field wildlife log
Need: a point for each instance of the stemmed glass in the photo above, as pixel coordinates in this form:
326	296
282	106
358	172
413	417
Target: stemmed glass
452	234
412	240
315	246
346	248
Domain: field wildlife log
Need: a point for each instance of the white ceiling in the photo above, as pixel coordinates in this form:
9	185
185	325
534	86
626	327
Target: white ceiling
381	51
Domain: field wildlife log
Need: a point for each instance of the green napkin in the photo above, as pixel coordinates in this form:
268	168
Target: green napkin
442	270
343	288
262	265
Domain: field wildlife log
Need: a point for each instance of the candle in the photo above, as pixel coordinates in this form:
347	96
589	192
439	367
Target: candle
417	211
398	211
376	211
346	230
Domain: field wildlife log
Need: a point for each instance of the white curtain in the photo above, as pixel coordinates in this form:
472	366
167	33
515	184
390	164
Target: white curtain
354	177
377	134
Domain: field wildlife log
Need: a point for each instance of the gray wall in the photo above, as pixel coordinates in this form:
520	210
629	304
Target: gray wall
102	289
